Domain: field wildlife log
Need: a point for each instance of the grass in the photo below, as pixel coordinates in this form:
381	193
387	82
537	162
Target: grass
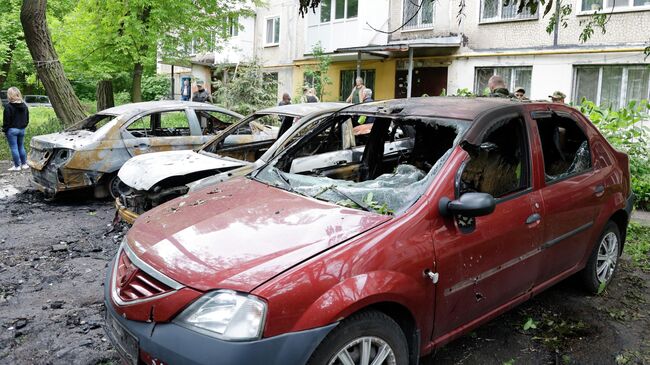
41	121
638	245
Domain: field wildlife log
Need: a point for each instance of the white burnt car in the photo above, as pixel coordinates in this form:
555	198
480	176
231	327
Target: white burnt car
150	180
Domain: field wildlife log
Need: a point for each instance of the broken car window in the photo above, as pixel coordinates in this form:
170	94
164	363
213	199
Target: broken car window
93	122
564	146
499	166
213	122
386	175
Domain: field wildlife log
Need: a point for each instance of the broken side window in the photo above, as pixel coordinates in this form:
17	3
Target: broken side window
93	122
173	124
213	122
564	146
386	175
499	166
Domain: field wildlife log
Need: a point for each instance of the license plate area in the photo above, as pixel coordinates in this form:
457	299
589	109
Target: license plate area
125	343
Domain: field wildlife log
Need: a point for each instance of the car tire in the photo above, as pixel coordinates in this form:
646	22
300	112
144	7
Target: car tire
603	260
372	330
115	186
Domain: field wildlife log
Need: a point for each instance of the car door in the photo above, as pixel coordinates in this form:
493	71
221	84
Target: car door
571	191
486	262
158	131
212	122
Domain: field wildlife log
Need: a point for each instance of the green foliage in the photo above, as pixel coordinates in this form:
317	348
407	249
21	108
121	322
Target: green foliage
41	121
122	97
624	130
381	208
320	73
247	91
464	92
530	324
155	87
637	245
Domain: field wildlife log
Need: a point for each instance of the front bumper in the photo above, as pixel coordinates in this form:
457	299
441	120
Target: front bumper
169	343
124	213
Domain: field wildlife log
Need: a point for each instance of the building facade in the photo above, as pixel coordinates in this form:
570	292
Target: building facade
392	42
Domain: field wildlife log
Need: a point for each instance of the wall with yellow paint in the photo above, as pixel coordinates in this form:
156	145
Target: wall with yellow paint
384	78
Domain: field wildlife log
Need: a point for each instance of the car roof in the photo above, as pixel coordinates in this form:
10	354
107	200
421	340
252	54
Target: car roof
466	108
303	109
135	108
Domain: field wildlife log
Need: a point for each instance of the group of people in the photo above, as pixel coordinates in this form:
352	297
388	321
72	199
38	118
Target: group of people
498	89
360	94
201	95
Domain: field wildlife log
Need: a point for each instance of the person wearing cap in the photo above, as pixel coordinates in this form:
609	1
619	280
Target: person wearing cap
520	93
201	95
558	97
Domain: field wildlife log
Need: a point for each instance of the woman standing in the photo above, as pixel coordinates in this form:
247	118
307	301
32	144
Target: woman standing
14	122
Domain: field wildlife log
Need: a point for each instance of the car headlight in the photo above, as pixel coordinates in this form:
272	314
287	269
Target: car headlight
227	315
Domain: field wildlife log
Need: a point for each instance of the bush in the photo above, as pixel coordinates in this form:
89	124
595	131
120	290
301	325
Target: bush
624	129
122	97
155	87
248	90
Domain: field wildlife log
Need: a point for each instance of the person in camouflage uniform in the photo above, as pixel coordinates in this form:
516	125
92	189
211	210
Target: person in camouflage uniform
498	87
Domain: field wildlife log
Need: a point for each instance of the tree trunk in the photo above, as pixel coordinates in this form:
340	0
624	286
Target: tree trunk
136	89
6	66
50	71
104	95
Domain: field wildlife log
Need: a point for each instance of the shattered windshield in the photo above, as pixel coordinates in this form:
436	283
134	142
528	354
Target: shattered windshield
93	123
378	164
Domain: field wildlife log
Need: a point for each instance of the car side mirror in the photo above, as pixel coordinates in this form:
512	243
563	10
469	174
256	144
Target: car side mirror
468	205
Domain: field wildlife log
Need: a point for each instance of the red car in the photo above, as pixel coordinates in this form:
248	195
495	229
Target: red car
448	213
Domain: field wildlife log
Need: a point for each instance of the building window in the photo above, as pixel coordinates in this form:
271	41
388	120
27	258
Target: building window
348	80
233	26
611	86
414	19
342	9
273	31
496	10
513	76
592	5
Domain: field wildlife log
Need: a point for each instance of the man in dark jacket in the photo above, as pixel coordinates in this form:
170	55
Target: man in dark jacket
201	95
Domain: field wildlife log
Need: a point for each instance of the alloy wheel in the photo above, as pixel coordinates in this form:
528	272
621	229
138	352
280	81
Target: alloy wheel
365	351
607	257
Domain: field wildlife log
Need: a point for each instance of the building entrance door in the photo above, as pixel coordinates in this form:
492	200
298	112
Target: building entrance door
426	80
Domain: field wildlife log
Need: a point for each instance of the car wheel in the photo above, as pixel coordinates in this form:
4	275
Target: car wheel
603	260
369	337
116	187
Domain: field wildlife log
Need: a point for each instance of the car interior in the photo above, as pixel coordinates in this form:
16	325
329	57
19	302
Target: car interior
249	141
499	165
213	122
162	124
564	146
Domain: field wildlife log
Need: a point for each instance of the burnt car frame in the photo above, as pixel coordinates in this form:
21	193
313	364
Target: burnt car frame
384	258
150	180
90	153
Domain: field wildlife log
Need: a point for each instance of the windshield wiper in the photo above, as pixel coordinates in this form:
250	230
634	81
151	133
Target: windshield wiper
359	203
284	180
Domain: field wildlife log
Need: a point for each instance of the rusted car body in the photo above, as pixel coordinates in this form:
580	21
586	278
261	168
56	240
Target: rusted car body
153	179
90	153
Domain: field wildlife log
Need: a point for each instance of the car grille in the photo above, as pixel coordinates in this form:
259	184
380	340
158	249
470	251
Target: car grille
132	284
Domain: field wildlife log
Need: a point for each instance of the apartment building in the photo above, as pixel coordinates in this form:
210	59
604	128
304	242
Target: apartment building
392	42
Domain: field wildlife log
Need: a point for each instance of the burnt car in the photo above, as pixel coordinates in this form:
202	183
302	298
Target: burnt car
381	259
90	153
150	180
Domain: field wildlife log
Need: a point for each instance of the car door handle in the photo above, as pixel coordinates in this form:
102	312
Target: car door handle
599	190
535	217
143	145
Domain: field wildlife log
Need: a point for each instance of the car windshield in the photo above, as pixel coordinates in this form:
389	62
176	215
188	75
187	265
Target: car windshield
374	163
93	122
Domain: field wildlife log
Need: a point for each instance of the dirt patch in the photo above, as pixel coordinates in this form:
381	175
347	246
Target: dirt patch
53	258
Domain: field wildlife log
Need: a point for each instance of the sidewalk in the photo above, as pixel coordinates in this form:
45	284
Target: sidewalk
641	217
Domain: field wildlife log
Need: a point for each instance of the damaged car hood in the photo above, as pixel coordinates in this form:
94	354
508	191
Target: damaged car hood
144	171
68	139
240	234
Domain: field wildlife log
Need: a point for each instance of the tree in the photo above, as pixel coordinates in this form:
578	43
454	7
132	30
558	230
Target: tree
247	91
319	75
10	35
131	34
48	67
